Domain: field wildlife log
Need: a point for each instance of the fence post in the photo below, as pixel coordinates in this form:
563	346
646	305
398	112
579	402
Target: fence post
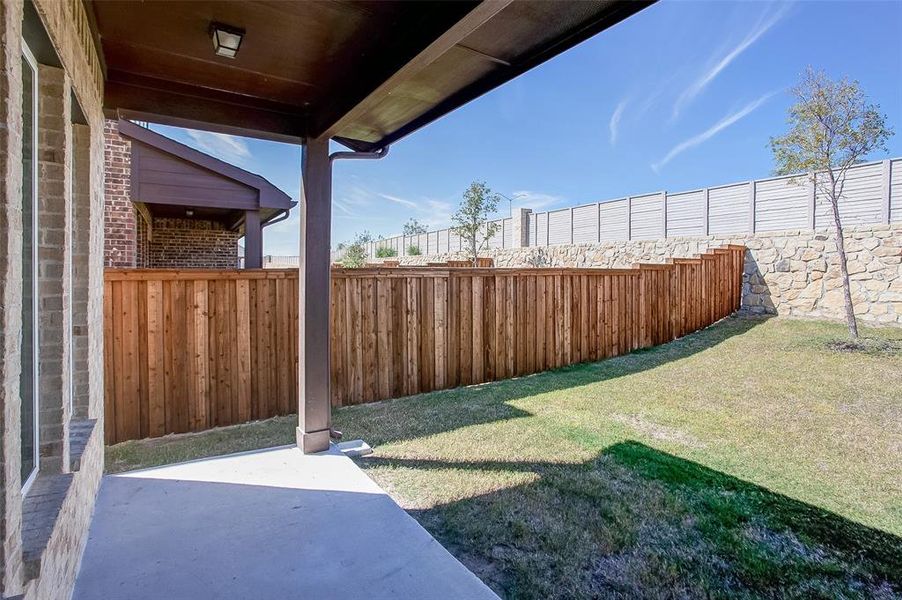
812	200
752	190
707	212
598	222
664	214
519	228
887	191
571	225
629	218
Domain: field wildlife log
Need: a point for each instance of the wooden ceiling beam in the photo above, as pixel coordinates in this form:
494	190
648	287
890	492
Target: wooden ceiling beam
470	22
181	105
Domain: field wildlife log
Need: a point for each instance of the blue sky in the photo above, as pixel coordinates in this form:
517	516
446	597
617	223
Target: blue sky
681	95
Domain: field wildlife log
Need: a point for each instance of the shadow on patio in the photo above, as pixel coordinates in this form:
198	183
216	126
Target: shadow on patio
638	522
272	524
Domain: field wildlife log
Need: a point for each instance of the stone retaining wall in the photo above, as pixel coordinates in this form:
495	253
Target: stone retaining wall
787	272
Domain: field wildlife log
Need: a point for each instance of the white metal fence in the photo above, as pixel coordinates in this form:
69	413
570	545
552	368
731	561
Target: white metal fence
872	194
442	241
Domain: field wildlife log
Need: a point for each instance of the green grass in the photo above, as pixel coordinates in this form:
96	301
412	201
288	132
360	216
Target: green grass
750	459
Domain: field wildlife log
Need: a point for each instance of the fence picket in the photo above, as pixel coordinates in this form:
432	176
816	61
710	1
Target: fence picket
189	350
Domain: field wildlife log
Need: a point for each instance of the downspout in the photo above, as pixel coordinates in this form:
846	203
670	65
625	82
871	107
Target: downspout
278	219
375	155
362	448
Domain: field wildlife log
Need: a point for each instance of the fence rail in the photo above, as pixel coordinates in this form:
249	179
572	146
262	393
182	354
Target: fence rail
189	350
873	194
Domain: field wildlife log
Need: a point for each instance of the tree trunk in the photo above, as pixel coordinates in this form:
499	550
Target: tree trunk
844	268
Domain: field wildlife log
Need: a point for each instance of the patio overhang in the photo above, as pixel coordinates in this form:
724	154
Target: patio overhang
173	180
364	74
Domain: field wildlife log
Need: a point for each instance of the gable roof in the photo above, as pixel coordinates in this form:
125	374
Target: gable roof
268	195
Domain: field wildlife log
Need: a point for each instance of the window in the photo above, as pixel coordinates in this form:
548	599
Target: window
28	379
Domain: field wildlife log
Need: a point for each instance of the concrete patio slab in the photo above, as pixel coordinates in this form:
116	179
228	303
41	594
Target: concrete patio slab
270	524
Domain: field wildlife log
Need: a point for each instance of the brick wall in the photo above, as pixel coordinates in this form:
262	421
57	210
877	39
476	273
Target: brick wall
119	217
130	242
54	186
142	242
189	243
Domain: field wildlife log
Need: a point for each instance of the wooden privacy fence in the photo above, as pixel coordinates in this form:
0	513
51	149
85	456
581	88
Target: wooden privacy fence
189	350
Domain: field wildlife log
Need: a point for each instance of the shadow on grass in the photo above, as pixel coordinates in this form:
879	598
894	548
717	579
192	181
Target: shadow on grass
446	410
638	522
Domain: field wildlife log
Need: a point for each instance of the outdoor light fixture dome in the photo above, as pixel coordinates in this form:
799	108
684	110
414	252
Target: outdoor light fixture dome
226	39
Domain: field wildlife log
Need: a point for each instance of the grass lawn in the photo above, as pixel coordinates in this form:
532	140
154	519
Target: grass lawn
746	460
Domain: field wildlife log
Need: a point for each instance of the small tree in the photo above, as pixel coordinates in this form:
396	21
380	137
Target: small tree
413	228
471	221
831	127
385	252
355	255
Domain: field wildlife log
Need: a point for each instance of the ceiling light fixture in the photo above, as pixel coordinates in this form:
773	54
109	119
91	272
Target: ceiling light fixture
226	39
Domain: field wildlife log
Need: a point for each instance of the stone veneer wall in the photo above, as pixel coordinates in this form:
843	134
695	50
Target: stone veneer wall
188	243
787	272
62	556
48	570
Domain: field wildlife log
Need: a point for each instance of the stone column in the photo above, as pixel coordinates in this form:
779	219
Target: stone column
520	229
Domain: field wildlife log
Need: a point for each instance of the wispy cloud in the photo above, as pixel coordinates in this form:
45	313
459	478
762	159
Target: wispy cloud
344	210
712	131
767	20
225	147
437	213
535	200
401	201
614	125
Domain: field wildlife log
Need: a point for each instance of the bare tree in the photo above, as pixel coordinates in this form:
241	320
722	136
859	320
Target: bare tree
832	127
471	221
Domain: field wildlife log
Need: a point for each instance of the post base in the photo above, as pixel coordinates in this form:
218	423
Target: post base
311	442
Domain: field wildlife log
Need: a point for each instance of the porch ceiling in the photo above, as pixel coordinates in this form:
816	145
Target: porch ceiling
365	73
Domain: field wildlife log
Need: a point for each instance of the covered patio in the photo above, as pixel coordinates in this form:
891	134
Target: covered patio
280	523
362	74
270	524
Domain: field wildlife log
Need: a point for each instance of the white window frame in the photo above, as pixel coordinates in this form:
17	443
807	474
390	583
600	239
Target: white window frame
69	334
33	63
